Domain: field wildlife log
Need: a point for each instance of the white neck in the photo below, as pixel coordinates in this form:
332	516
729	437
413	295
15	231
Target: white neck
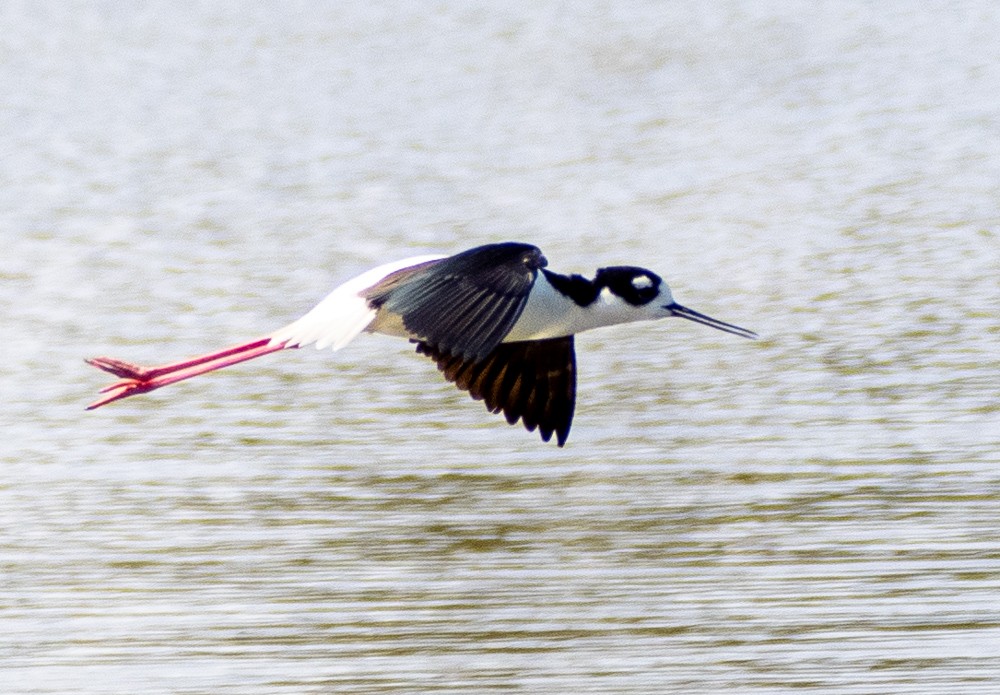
551	314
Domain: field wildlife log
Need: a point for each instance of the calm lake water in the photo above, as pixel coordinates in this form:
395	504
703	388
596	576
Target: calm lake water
816	511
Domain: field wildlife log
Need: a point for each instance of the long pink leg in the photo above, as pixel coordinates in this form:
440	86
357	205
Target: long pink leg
136	379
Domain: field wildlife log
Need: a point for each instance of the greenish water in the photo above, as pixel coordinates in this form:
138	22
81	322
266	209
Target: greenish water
815	511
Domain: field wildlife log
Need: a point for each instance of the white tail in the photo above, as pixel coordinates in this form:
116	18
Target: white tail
343	314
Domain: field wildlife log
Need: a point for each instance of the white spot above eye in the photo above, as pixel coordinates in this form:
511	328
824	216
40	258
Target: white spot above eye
642	282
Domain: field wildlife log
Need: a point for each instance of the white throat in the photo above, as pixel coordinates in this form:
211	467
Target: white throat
551	314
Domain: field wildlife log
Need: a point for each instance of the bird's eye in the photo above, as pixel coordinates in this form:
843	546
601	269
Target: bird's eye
642	282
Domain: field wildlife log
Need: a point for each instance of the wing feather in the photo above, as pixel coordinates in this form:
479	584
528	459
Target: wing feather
467	303
532	381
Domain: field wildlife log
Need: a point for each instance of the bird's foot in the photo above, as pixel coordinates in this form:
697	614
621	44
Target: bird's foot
133	379
120	368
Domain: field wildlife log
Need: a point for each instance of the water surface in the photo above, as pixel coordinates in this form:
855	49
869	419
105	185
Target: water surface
816	511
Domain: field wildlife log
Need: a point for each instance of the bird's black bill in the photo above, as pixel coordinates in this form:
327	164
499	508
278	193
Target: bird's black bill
698	317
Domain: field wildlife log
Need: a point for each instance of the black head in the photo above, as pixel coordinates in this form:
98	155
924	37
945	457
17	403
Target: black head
637	286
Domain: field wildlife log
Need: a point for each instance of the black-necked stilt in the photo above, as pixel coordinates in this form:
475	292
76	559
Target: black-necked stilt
498	324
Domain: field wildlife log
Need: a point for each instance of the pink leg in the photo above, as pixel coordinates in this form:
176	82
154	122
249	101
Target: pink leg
136	379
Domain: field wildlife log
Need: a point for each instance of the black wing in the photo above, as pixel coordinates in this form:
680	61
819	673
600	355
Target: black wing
465	304
534	381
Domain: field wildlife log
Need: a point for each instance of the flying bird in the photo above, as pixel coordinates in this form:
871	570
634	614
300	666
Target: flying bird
497	322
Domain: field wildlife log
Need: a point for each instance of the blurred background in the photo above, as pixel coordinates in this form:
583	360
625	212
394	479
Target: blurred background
816	511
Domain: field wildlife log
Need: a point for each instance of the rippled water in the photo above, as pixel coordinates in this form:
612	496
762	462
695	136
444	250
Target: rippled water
819	510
